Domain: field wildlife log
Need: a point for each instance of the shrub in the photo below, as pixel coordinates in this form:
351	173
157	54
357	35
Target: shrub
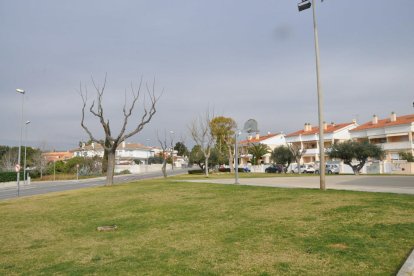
196	172
9	176
125	172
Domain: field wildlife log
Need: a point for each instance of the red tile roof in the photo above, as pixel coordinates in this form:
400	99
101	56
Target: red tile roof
315	130
261	138
401	120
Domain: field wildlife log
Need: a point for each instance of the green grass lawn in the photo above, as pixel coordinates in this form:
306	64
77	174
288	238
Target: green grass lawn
178	228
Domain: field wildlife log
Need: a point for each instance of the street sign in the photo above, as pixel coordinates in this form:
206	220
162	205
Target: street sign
17	168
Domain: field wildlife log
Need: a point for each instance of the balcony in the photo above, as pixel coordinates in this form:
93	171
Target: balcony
397	146
311	151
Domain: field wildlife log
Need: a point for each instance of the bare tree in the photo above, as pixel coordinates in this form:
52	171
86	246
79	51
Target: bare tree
111	142
165	150
9	160
297	153
200	130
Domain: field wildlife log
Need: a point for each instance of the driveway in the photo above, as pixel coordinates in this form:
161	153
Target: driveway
364	183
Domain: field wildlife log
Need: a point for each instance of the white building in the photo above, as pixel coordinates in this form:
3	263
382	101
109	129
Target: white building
307	139
126	153
393	134
271	140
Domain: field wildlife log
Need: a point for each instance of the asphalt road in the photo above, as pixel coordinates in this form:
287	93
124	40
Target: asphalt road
363	183
44	187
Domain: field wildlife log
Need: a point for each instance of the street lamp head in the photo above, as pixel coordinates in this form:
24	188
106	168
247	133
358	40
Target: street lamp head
28	122
304	5
21	91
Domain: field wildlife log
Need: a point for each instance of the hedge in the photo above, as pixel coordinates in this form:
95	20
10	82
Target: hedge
9	176
228	169
196	172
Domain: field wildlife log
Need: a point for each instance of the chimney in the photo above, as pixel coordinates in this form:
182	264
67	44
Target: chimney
333	124
354	121
325	126
123	144
249	137
309	127
374	119
393	117
83	145
305	128
257	136
93	145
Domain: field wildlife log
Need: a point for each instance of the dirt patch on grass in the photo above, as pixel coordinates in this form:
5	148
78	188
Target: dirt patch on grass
341	246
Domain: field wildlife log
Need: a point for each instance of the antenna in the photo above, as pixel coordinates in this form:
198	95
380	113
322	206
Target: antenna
250	126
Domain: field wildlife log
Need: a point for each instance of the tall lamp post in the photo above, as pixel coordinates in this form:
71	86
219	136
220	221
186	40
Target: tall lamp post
22	92
172	149
147	150
25	152
304	5
236	157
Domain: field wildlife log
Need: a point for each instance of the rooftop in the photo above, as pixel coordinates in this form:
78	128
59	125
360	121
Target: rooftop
401	120
315	130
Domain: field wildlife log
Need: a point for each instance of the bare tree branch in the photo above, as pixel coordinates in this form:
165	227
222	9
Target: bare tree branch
109	143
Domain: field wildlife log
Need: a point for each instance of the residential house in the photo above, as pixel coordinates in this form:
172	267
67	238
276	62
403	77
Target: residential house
307	139
126	153
54	156
271	140
393	134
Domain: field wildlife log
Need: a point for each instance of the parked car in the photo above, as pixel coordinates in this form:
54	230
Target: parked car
274	169
304	169
330	169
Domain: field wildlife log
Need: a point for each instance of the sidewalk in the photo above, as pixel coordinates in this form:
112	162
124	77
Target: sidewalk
377	184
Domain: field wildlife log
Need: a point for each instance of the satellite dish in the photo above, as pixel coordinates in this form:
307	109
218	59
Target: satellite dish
250	126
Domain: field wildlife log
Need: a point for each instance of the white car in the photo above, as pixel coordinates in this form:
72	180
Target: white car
304	169
330	169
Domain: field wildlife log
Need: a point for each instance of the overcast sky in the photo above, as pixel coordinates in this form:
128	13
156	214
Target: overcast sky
243	59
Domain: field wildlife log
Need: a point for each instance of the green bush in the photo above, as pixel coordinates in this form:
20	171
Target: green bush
125	172
9	176
195	172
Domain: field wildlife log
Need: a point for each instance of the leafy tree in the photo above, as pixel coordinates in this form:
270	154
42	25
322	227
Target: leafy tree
223	130
282	155
181	149
197	157
153	160
257	150
351	151
406	156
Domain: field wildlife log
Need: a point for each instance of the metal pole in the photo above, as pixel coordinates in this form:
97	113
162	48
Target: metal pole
320	104
236	160
54	170
25	153
20	142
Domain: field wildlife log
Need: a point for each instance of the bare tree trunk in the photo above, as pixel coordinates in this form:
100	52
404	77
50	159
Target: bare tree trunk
111	168
164	168
231	157
206	167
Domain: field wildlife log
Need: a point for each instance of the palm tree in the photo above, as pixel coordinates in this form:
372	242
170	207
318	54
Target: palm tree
257	150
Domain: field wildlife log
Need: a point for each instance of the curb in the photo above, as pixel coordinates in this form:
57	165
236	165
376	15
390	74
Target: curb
408	268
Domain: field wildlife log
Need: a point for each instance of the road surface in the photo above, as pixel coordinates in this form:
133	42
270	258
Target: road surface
44	187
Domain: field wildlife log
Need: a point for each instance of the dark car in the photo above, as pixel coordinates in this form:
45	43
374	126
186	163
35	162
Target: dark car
274	169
